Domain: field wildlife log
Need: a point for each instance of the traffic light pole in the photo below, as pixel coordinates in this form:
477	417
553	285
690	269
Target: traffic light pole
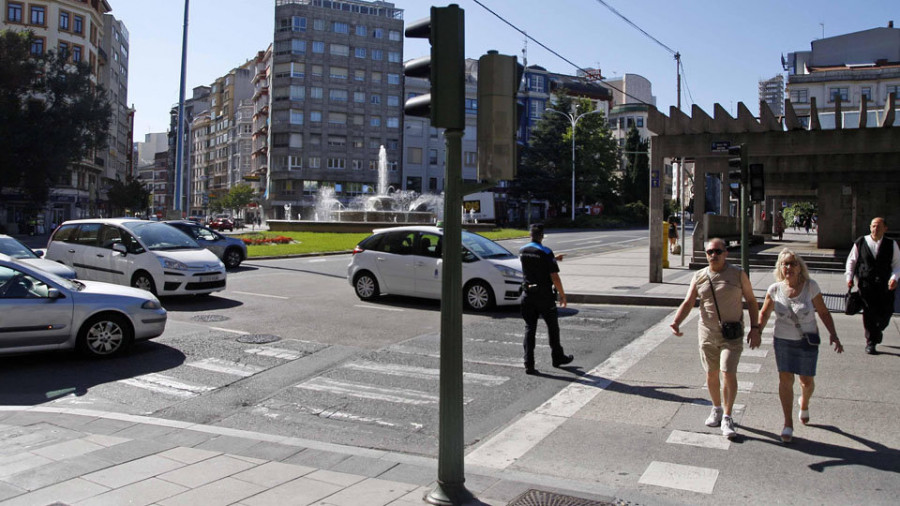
450	488
745	228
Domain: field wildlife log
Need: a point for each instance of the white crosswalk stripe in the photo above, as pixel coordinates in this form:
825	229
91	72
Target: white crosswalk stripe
363	391
227	367
168	385
422	372
275	353
695	479
714	441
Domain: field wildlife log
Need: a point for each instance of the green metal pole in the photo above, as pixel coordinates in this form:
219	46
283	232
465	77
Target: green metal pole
450	488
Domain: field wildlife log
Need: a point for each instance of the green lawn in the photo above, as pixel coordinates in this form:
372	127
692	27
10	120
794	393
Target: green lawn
321	242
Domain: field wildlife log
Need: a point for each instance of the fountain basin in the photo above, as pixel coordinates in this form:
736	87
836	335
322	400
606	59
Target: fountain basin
356	226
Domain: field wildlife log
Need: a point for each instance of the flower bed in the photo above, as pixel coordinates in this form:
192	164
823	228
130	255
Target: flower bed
267	240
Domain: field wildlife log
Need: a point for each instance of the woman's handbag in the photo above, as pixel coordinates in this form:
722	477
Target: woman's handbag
855	303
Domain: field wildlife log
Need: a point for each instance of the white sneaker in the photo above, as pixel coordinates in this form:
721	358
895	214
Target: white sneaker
715	417
728	427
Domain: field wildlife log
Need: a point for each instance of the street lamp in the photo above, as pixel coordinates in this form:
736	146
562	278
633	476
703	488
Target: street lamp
573	120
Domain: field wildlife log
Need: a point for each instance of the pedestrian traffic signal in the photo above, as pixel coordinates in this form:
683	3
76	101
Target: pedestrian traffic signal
757	182
737	164
499	77
445	68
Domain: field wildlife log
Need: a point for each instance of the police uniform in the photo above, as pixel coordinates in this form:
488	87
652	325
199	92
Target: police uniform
538	263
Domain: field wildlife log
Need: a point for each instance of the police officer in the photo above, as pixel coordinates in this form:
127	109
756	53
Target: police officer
541	271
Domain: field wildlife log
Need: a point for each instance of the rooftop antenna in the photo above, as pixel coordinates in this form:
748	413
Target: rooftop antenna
823	29
525	52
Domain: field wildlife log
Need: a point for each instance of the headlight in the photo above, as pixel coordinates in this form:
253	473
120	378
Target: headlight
168	263
151	304
508	272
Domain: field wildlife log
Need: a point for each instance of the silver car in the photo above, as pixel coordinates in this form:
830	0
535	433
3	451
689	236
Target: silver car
230	250
40	311
12	247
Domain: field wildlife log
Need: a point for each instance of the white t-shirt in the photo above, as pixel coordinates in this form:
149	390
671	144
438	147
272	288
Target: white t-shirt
785	327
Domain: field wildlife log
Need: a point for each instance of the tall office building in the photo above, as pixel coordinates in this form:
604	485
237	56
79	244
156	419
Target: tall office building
771	91
336	98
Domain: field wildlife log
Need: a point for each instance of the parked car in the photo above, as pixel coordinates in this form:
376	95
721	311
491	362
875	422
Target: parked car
222	224
231	250
15	249
40	311
140	253
407	261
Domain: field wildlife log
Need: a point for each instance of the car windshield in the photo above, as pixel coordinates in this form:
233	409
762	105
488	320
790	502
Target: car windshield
484	247
158	236
15	249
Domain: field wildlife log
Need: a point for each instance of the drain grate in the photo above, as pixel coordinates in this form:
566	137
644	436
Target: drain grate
209	318
535	497
626	288
258	338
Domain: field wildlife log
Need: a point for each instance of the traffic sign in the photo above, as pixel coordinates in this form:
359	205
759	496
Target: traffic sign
720	146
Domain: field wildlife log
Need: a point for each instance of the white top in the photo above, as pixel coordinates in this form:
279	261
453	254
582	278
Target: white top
785	327
850	267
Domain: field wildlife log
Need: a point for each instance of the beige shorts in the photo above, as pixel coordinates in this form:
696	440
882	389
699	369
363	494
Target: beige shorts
718	353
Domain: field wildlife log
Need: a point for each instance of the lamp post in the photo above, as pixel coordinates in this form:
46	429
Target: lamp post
573	120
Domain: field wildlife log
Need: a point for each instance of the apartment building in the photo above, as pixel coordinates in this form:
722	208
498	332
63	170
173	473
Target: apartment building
261	100
193	106
114	78
336	89
771	91
846	70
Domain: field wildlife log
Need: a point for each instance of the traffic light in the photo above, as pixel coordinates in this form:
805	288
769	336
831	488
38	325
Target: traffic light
445	68
757	182
737	164
498	111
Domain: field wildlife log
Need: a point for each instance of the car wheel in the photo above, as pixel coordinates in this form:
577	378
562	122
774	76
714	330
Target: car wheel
104	336
144	281
232	258
366	286
478	296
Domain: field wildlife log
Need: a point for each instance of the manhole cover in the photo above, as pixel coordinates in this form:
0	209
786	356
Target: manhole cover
258	338
626	288
209	318
543	498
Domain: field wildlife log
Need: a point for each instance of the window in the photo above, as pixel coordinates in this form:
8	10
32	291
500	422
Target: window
337	72
298	46
833	93
77	24
394	79
318	24
358	142
37	45
318	46
338	141
377	54
338	27
358	120
315	139
298	92
471	106
337	95
77	53
639	121
298	24
866	93
298	69
800	96
296	141
471	158
375	98
356	165
393	143
374	143
378	33
317	70
359	75
340	50
393	100
315	162
376	77
359	97
414	128
629	122
394	56
375	121
359	52
38	15
414	155
14	12
537	108
64	49
393	122
315	116
536	83
361	30
336	163
895	89
394	35
337	118
64	21
280	140
296	117
295	162
432	157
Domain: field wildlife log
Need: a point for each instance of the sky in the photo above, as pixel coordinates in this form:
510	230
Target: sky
726	46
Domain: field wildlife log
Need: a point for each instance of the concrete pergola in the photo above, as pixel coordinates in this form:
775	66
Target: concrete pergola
853	173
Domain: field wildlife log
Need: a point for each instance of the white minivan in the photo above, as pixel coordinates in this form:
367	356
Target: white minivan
140	253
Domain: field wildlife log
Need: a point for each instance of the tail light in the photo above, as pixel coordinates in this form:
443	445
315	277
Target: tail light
357	249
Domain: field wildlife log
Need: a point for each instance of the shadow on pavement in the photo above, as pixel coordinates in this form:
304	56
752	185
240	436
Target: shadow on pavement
186	303
35	379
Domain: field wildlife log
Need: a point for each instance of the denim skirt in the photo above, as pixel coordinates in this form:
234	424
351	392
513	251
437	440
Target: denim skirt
797	357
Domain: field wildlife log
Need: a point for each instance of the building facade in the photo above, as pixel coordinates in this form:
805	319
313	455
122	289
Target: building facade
771	91
336	89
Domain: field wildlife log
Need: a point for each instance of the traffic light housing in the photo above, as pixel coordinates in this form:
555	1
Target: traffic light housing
445	68
499	77
757	182
737	164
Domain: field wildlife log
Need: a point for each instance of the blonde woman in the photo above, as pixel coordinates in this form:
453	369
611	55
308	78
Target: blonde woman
796	299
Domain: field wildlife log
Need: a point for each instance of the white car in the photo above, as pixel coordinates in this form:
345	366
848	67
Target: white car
407	261
40	311
144	254
12	247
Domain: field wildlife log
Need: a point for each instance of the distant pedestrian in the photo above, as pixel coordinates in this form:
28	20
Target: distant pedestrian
541	272
779	225
796	299
796	223
875	261
673	234
807	223
720	328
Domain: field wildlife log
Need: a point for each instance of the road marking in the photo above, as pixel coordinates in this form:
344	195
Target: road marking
363	391
760	353
681	437
520	437
367	306
227	367
498	361
275	353
162	384
695	479
409	371
220	329
316	261
262	295
748	368
745	386
494	341
330	414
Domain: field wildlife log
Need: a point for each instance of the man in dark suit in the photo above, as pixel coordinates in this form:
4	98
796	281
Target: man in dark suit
541	276
875	261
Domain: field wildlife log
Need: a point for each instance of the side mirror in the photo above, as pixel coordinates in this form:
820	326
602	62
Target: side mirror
53	293
120	248
38	252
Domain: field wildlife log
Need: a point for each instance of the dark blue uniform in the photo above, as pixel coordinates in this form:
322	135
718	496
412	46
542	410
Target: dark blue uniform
538	263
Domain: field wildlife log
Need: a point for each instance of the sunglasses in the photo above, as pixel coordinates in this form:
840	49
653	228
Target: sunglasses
716	251
792	263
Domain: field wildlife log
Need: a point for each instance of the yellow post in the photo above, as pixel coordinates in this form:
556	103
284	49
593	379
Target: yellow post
665	250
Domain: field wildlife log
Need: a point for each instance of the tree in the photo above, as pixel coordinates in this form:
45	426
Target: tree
635	183
128	195
239	196
546	170
52	114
